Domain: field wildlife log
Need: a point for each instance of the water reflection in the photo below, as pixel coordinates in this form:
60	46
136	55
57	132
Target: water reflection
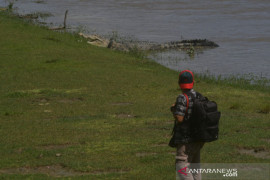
241	28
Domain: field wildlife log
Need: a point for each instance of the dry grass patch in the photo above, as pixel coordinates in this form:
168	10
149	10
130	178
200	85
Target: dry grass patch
257	152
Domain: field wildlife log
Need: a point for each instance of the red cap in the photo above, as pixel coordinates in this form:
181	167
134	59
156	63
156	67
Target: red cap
186	79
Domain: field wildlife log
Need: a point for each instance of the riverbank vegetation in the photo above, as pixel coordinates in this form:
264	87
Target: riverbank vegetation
69	109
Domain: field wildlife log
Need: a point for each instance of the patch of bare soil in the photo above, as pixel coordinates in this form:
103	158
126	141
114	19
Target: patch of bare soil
143	154
257	152
57	171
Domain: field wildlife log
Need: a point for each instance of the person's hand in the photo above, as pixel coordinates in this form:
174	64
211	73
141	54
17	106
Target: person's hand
172	107
179	119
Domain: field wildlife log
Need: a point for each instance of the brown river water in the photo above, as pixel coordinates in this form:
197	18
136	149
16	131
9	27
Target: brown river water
241	28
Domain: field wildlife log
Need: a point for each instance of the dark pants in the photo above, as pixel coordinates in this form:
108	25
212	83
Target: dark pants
188	157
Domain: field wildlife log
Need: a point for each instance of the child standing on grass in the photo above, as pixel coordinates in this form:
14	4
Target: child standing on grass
187	150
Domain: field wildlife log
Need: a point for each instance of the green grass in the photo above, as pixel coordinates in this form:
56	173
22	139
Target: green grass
105	112
245	81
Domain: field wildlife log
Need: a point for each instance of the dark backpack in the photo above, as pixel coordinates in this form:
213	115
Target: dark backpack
204	118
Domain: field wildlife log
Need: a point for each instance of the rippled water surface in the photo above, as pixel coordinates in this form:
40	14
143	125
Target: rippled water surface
241	28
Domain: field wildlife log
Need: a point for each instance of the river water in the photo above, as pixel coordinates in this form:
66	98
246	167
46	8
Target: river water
241	28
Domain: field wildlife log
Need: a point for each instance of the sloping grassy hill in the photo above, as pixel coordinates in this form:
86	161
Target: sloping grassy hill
69	109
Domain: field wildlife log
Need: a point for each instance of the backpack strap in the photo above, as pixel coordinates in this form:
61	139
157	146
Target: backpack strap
193	97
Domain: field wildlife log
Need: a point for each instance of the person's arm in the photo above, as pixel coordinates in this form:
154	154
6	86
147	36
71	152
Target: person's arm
179	108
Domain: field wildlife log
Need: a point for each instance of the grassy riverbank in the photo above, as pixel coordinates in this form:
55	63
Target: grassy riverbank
71	109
